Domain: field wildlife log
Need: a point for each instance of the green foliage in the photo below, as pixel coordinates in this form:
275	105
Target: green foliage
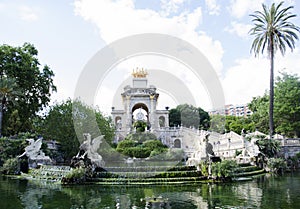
59	124
34	83
14	123
77	175
217	123
238	152
140	150
174	154
127	143
11	167
237	124
174	117
140	126
277	165
8	94
225	124
224	169
269	147
189	116
154	144
272	31
141	137
87	119
11	148
204	168
286	107
259	107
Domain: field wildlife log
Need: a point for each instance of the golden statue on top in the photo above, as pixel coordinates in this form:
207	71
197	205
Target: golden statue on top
139	73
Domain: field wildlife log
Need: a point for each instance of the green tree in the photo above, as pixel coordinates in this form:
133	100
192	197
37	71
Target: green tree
8	93
204	119
189	116
174	117
59	124
237	124
260	117
273	30
269	148
217	123
35	83
287	105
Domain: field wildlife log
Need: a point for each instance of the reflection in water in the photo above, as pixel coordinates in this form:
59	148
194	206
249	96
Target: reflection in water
265	192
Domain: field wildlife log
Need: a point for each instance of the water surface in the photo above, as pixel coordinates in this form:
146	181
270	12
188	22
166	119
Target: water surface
268	192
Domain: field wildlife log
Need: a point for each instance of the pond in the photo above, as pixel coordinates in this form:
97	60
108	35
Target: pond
267	191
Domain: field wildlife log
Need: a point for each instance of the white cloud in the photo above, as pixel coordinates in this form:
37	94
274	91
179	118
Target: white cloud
116	19
28	14
240	8
170	6
240	29
213	7
249	77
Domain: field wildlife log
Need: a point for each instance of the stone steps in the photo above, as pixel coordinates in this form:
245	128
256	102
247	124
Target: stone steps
246	170
50	173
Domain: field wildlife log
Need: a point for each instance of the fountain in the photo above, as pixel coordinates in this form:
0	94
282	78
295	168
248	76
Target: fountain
88	155
34	154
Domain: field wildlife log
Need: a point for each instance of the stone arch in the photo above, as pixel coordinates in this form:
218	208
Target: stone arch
117	119
162	121
177	143
140	107
118	122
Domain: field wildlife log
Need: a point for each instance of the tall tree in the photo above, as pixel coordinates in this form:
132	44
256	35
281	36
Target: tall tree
272	31
189	116
35	83
8	93
286	107
62	119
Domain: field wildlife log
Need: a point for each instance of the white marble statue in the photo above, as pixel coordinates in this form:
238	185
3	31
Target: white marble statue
90	147
35	154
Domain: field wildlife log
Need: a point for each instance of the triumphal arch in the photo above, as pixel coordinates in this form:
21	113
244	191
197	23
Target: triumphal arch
139	104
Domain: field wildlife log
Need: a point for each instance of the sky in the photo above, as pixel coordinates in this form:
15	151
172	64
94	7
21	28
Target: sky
68	33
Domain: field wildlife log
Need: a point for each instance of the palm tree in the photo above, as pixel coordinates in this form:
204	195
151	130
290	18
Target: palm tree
272	31
8	92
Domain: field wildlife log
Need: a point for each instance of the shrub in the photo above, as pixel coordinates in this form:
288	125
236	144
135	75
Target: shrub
131	148
276	165
224	169
127	143
175	154
204	168
153	144
11	167
77	175
141	137
10	148
140	126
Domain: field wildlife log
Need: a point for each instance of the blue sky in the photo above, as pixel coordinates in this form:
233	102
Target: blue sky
68	33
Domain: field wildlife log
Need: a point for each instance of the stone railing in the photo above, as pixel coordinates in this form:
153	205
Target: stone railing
290	142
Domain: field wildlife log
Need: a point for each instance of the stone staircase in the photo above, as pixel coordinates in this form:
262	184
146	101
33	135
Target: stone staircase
49	172
161	175
247	170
